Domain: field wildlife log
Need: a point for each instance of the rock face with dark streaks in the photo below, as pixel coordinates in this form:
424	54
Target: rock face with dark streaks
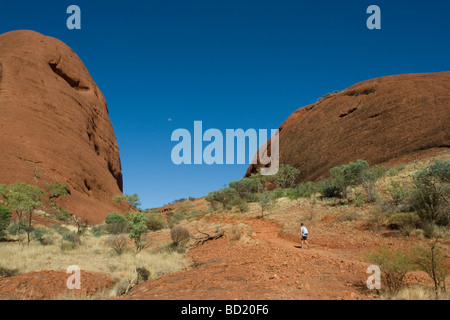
54	124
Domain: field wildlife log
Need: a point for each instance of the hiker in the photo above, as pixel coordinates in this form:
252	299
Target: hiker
304	236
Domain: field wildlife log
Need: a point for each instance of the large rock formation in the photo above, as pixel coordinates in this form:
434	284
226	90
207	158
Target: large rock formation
384	120
54	124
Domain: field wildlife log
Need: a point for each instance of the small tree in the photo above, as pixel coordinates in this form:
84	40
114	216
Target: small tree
24	198
286	176
267	202
133	200
137	224
5	219
432	262
429	198
120	199
394	266
348	175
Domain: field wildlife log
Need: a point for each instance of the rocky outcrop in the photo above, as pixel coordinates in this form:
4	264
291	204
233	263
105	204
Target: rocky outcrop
54	124
384	120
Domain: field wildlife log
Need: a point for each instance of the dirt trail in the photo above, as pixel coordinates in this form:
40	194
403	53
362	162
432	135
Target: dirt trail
271	268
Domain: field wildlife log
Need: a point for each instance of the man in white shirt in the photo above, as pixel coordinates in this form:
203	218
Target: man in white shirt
304	235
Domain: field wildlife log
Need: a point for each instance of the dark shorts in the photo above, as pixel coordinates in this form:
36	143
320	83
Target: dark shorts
305	237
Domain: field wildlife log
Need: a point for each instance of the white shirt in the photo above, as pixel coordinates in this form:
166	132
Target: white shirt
304	231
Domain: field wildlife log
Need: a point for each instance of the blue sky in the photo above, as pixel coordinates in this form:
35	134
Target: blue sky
231	64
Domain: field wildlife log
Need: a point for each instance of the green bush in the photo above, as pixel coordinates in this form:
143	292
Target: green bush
279	193
404	221
394	266
331	191
223	197
247	188
56	189
96	231
17	228
286	176
5	219
429	197
307	189
241	204
70	241
115	218
116	223
155	221
59	229
348	175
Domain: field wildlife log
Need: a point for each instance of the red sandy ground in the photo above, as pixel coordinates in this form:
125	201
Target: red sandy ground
48	285
274	269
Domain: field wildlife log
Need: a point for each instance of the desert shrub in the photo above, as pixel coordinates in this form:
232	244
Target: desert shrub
38	235
118	243
155	221
62	215
398	194
396	170
247	188
279	193
348	175
432	262
195	214
240	203
96	231
291	193
350	216
7	273
236	233
267	202
192	198
56	189
368	179
142	274
286	176
223	197
429	197
115	218
180	235
307	189
174	218
18	227
5	219
69	241
404	221
394	266
116	223
331	191
378	216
